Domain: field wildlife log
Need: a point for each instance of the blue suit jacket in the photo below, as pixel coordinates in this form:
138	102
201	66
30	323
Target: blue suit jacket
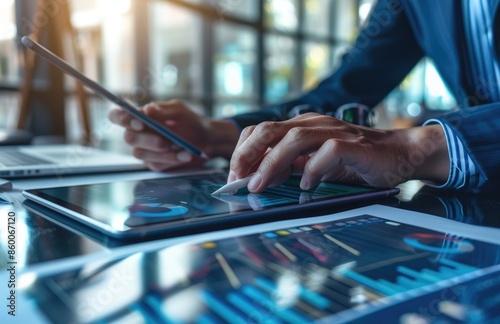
397	35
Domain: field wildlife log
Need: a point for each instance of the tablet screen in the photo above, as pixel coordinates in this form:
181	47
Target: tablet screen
129	204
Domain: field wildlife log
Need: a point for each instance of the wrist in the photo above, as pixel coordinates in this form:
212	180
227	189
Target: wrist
429	153
224	136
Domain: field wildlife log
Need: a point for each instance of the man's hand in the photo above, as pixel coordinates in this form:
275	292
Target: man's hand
216	138
325	148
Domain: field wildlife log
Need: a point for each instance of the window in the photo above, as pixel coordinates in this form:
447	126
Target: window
175	51
9	64
281	14
316	63
422	90
235	61
222	57
280	65
317	17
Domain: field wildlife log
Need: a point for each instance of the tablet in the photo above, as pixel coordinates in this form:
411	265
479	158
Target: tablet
139	208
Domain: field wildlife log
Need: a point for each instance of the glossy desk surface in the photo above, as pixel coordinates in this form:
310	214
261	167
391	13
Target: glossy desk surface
41	240
45	242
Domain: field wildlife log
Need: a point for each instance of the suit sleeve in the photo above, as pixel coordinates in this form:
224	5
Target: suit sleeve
479	131
383	54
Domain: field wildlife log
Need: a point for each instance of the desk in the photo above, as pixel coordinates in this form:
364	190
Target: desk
44	245
45	241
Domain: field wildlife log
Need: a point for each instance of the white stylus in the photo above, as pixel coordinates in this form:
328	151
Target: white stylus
233	187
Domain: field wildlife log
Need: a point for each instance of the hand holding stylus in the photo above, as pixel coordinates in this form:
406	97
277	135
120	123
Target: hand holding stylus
124	104
216	137
325	148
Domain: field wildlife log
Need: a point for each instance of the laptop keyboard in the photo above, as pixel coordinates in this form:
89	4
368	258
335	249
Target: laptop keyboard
15	158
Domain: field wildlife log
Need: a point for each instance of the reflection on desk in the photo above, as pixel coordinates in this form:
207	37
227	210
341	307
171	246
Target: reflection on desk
479	210
39	240
47	236
357	269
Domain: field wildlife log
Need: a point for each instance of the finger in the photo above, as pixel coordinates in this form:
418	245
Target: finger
124	119
157	111
295	168
255	140
148	141
232	176
299	141
245	133
334	154
253	145
120	117
166	112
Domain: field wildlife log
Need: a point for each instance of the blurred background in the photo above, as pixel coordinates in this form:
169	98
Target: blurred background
221	57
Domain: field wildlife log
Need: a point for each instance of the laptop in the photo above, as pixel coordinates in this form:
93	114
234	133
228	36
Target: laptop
57	160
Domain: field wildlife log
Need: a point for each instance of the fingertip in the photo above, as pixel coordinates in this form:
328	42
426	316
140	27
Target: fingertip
170	123
231	177
304	184
255	182
138	153
184	156
116	115
136	125
113	112
150	107
111	116
129	136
